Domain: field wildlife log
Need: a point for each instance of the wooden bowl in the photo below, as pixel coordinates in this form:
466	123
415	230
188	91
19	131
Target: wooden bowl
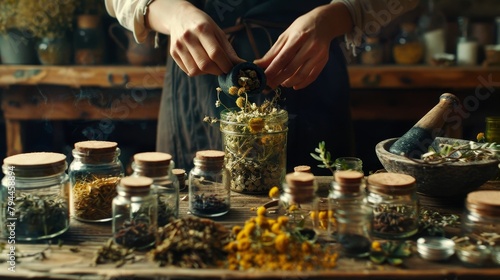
444	180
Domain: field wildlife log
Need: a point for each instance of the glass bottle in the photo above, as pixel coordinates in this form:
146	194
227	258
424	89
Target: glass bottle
135	213
89	40
158	166
408	49
493	129
467	47
432	24
34	197
300	203
94	174
373	52
395	205
181	178
209	192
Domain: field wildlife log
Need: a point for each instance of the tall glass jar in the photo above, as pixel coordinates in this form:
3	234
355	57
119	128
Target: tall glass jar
135	213
432	25
158	166
354	230
34	199
300	203
395	205
94	174
255	148
408	49
209	193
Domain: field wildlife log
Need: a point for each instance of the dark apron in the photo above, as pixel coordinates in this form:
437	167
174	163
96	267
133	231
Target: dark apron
317	113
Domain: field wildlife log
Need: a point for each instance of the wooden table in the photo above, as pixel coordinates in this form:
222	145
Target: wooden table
62	261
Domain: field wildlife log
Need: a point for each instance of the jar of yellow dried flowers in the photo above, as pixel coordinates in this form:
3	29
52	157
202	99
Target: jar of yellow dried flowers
254	139
94	175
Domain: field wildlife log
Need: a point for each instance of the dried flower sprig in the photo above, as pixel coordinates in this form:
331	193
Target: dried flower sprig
323	156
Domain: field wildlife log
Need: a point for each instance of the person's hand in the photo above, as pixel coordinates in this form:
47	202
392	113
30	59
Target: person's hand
301	51
197	44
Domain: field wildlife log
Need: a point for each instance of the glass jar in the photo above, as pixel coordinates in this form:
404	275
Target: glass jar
34	200
89	40
255	149
135	213
408	49
493	129
158	166
209	193
482	213
432	24
348	163
94	174
300	204
181	178
353	230
395	205
373	52
467	47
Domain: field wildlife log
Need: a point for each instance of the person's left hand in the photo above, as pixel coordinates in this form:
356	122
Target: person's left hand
300	53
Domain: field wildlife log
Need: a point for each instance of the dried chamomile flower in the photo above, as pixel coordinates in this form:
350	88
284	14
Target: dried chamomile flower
256	125
233	90
240	102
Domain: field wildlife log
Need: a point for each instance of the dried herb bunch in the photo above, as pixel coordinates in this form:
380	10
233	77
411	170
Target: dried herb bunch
191	243
457	152
254	141
8	16
273	244
93	197
40	215
112	253
48	18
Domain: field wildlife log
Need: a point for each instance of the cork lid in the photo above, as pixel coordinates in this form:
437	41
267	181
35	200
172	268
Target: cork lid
179	172
391	183
36	164
299	179
95	147
214	155
485	202
348	181
135	184
302	168
301	186
153	159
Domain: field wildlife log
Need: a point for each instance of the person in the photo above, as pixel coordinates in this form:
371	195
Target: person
298	43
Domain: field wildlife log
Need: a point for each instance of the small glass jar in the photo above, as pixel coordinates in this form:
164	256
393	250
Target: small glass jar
408	49
94	174
482	213
209	192
158	166
346	190
348	163
300	203
493	129
181	178
354	229
373	52
135	213
34	199
395	205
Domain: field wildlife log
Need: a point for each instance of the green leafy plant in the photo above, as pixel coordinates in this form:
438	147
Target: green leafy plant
323	156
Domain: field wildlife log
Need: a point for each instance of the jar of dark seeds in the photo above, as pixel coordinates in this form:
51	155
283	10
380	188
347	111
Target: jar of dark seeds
135	213
209	192
34	198
395	205
94	174
158	166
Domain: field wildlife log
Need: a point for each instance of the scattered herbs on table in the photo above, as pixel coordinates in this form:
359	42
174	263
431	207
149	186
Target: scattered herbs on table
93	198
208	204
191	243
39	215
392	252
112	253
434	222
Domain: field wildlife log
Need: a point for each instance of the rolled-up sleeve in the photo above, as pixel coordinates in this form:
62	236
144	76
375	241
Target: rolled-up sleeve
369	16
130	14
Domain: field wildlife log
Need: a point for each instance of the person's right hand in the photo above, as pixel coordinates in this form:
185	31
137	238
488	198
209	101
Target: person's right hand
197	44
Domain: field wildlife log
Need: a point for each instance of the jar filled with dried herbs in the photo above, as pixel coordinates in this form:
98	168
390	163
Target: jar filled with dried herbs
395	205
34	199
135	213
209	193
94	174
158	166
300	203
482	214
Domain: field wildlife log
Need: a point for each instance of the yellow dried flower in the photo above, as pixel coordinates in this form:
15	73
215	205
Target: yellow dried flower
242	91
376	246
480	137
261	211
283	220
281	243
240	102
236	229
274	192
292	208
306	247
256	125
276	228
262	222
233	90
244	244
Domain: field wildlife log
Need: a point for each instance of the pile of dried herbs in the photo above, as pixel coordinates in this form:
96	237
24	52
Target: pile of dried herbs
458	152
191	243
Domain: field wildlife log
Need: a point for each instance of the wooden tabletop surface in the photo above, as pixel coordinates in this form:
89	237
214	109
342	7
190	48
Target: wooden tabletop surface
70	256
